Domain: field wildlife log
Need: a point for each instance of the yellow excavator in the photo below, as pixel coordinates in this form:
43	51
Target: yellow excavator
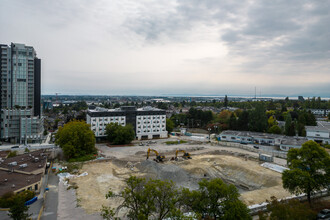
159	158
185	155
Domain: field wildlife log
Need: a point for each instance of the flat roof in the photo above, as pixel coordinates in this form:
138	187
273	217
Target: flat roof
12	181
251	134
321	126
29	159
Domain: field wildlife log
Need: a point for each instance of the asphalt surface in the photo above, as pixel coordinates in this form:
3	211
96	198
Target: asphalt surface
51	198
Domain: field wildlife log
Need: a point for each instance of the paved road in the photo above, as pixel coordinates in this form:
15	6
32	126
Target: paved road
51	200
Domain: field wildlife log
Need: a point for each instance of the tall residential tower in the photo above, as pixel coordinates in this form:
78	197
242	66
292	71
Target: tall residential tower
20	78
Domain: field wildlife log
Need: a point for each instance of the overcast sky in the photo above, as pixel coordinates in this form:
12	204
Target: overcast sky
144	47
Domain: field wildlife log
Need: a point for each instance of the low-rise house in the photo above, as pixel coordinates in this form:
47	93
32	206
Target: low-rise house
22	172
292	142
246	137
319	133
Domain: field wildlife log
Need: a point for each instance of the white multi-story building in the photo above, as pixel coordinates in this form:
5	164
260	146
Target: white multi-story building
319	133
148	122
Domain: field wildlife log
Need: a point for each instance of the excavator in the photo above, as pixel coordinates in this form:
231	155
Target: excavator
185	154
159	158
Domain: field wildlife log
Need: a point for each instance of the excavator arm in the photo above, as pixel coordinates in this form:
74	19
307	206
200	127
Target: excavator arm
158	157
185	154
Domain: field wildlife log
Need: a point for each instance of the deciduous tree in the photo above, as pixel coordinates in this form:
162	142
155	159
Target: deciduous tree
309	169
76	139
118	134
216	199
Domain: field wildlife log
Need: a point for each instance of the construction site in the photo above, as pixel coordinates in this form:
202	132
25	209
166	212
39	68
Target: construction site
185	164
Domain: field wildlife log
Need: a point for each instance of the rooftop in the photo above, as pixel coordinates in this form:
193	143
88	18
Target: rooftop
28	162
321	126
12	181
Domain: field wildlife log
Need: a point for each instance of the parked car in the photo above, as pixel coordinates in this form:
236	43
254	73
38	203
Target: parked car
14	147
324	214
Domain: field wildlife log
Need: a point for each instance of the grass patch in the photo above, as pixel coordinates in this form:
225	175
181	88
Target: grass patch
175	142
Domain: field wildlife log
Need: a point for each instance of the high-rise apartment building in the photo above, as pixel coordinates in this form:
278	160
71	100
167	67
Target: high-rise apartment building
20	91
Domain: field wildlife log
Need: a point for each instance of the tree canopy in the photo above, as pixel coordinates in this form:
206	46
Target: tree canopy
216	199
169	125
287	210
157	199
76	139
118	134
309	169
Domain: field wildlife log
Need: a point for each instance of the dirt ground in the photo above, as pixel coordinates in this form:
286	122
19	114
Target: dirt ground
255	183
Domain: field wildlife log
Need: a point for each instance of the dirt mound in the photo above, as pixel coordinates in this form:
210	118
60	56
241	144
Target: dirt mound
168	171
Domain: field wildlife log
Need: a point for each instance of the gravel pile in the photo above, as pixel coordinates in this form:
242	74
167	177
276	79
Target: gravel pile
168	172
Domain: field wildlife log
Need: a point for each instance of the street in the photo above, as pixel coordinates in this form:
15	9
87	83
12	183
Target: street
51	200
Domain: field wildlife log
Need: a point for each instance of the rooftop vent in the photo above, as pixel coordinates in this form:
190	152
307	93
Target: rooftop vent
36	159
14	163
23	165
6	180
13	186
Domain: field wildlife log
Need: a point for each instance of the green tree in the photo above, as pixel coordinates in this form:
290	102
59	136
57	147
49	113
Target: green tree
17	210
233	122
287	210
149	198
275	129
272	121
243	121
226	101
309	169
76	139
169	125
289	126
216	199
258	119
118	134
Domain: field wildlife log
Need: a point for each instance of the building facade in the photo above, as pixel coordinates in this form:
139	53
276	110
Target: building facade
284	143
319	133
20	92
148	122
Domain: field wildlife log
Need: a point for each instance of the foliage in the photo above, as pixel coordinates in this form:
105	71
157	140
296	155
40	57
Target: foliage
118	134
243	121
272	121
12	154
169	125
83	158
258	119
225	101
149	198
107	213
215	199
287	210
17	210
275	129
224	116
76	139
199	118
309	169
289	126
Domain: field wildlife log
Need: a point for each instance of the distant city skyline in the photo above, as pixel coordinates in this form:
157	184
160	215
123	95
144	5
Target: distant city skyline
127	47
